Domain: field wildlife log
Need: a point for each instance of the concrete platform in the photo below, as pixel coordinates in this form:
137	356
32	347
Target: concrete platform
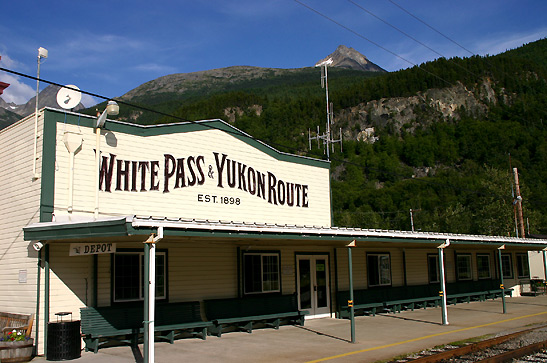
377	338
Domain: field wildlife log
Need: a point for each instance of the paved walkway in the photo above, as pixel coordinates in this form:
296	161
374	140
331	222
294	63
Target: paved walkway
377	338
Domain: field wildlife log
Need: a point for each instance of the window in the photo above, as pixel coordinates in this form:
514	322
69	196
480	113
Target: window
463	267
261	273
433	268
506	266
128	280
379	269
523	267
483	266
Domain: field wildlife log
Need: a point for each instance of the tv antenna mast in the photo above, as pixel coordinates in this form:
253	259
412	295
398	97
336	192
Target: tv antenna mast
326	137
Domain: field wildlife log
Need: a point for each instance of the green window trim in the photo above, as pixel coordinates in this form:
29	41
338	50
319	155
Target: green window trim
261	272
379	269
523	266
133	280
464	267
507	265
433	274
484	270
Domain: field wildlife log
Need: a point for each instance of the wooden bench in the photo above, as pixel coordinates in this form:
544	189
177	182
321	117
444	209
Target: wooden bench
242	313
467	291
121	324
365	302
388	298
18	322
411	297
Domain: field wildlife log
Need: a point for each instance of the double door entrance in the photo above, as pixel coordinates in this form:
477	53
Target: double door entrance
313	284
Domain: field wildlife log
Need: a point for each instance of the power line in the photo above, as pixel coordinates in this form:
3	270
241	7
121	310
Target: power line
235	133
371	41
274	144
430	27
411	37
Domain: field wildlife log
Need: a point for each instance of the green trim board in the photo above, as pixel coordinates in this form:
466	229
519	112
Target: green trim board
182	127
47	231
47	189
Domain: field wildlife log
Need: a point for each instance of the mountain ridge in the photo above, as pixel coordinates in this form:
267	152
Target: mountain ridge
344	57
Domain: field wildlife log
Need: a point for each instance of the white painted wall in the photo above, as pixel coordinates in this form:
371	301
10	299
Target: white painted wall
187	202
19	201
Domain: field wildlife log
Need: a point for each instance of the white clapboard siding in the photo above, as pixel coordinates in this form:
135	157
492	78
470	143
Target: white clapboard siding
71	281
19	199
20	203
183	202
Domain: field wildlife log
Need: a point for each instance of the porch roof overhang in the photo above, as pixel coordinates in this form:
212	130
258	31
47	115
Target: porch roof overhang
133	226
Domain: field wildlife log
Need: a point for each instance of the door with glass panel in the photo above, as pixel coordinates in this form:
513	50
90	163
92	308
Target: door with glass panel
313	284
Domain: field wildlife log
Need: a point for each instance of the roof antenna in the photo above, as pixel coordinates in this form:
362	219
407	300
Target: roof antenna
327	138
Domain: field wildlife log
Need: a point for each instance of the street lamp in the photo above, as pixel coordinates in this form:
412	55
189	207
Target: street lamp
42	53
112	108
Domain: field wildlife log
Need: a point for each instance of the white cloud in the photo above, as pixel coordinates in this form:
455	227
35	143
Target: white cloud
18	92
89	101
504	42
154	67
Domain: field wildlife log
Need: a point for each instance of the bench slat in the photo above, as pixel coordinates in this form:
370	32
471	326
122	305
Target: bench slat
115	323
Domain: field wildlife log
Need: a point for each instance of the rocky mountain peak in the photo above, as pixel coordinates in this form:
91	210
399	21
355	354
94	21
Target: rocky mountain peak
345	57
47	98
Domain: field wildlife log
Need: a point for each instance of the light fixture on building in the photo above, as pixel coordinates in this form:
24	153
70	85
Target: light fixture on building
111	109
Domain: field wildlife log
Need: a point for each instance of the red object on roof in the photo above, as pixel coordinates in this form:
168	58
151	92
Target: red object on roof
3	86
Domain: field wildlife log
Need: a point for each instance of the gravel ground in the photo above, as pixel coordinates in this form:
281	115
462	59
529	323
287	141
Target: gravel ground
535	336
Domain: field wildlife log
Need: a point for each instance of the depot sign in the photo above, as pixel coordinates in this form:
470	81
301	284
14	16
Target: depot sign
84	249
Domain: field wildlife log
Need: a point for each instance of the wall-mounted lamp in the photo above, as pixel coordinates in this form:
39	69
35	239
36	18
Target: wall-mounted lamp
111	109
37	246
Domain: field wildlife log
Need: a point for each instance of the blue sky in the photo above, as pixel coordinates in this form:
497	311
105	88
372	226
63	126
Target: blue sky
109	48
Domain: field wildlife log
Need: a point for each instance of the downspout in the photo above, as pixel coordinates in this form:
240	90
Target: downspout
150	297
442	279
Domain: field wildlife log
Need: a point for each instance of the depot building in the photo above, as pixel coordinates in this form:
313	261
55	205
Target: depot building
228	217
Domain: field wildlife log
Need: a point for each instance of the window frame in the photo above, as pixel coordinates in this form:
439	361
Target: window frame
139	253
262	254
469	258
510	256
436	257
480	255
520	266
379	272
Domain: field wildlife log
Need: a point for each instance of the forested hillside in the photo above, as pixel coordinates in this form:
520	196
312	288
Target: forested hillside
440	138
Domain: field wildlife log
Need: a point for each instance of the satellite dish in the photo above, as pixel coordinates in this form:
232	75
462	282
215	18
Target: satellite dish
68	98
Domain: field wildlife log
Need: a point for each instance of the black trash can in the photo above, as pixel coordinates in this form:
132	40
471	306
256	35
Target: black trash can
63	340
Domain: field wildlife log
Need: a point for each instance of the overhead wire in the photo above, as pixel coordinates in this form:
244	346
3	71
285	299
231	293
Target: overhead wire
274	144
371	41
430	27
410	36
395	54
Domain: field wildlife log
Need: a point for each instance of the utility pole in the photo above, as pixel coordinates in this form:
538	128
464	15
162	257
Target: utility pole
518	202
412	218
